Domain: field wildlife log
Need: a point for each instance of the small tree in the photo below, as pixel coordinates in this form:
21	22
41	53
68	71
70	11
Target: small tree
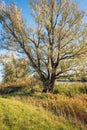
53	44
15	69
9	72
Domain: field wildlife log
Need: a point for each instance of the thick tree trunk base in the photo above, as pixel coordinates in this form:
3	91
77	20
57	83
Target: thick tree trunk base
45	90
48	87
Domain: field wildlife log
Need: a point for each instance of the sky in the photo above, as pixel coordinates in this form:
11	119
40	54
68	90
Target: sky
24	5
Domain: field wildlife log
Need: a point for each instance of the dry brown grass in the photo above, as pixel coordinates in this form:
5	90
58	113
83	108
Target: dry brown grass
74	108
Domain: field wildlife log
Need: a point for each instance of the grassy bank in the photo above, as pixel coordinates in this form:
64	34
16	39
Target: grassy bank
15	115
27	108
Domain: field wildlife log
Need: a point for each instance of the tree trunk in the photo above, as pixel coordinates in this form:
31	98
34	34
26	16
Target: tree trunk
51	86
48	87
45	86
45	90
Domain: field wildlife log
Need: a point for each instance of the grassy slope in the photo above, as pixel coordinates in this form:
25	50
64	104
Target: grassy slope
25	108
15	115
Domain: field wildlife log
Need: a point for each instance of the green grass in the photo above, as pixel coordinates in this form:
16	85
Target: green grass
26	108
15	115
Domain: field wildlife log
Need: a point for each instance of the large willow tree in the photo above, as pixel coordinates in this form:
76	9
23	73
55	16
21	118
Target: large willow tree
53	44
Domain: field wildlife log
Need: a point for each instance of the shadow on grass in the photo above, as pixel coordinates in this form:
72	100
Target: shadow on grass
16	91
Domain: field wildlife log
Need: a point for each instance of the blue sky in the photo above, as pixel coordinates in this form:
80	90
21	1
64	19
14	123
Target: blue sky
24	5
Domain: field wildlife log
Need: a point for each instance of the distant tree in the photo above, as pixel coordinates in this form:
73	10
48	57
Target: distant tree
15	69
9	73
53	44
